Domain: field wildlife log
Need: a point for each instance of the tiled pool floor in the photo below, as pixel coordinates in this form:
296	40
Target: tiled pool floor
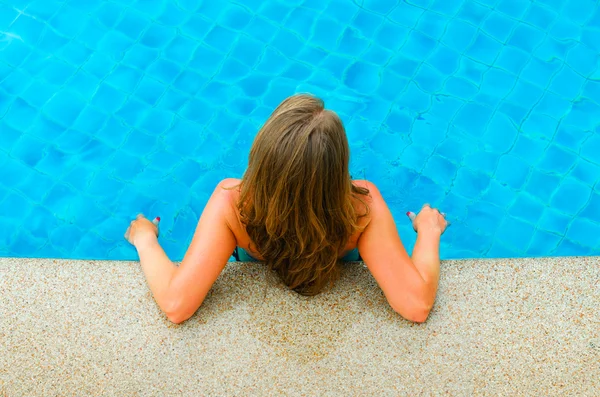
489	109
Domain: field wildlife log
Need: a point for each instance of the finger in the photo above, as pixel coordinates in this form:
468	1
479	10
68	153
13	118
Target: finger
140	216
411	215
156	220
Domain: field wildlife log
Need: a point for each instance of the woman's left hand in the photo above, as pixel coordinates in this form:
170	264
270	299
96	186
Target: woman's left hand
142	230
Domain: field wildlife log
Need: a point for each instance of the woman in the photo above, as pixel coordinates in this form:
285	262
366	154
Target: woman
297	209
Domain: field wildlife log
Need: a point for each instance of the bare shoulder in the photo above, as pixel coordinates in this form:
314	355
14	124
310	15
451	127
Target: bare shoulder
226	194
374	198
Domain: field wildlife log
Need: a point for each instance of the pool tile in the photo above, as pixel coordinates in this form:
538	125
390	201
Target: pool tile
190	82
525	94
512	170
366	22
16	83
579	13
87	244
432	24
248	50
565	30
571	196
459	35
124	77
501	133
20	115
325	33
553	105
288	43
557	160
543	243
512	60
584	232
540	16
90	120
29	150
392	36
527	207
428	79
108	14
586	172
157	36
542	185
133	112
482	216
172	15
55	162
67	22
418	45
591	90
514	8
590	149
406	14
178	50
499	26
25	244
139	143
539	72
567	83
485	161
583	59
499	250
499	194
582	115
440	170
461	88
7	15
444	60
473	12
27	28
99	65
515	112
515	233
591	210
484	49
589	35
525	147
472	118
205	59
471	183
570	248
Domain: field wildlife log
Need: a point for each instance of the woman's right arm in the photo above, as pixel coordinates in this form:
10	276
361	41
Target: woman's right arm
410	285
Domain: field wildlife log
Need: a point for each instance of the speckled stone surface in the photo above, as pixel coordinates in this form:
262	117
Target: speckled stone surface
499	327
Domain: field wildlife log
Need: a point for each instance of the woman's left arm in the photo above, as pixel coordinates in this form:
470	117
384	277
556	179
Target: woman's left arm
180	290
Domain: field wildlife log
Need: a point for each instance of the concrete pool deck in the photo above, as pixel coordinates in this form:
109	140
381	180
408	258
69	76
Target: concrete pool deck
499	327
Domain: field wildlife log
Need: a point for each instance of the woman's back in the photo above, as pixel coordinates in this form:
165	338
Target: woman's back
232	196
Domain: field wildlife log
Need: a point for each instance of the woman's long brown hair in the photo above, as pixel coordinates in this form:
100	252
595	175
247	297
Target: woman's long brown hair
296	198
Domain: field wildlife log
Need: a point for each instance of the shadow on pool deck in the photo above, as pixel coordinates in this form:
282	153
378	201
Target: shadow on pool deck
511	327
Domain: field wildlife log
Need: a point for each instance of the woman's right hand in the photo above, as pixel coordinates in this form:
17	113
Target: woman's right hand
428	220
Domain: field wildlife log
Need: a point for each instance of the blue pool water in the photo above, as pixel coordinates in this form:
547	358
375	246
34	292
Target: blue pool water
489	109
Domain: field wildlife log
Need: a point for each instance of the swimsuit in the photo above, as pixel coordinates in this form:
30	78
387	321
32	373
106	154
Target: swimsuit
241	255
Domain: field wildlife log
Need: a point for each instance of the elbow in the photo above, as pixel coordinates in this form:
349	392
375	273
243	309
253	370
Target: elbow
177	318
176	312
419	315
418	312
